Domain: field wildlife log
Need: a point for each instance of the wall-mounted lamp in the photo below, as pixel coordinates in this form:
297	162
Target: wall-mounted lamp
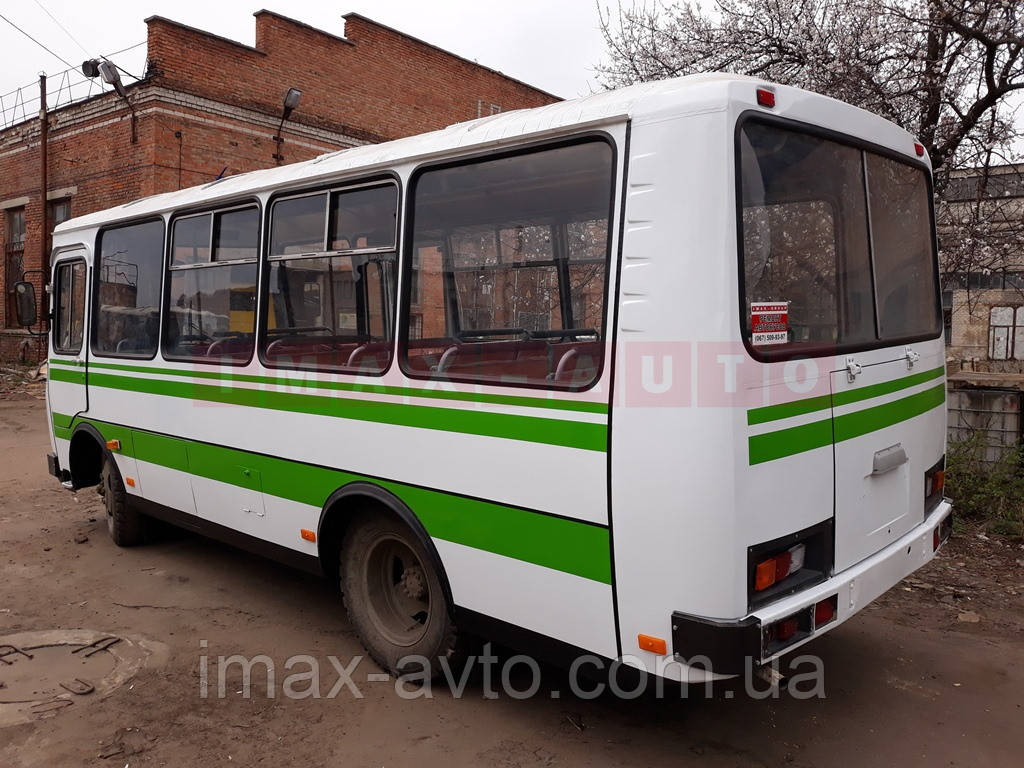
291	101
107	70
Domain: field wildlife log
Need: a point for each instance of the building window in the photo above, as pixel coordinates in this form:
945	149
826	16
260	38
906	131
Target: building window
1006	333
60	211
14	252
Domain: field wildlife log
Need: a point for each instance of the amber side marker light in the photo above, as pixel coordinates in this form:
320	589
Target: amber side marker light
652	644
113	445
130	482
765	98
307	534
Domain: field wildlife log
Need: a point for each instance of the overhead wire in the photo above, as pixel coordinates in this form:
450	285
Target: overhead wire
56	21
26	34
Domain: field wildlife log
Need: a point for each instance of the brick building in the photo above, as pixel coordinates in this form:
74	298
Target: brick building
208	106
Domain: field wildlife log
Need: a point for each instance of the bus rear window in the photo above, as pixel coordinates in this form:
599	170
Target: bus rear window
836	245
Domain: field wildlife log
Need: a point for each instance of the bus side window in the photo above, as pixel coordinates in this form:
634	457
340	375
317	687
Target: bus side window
213	283
127	299
508	269
330	303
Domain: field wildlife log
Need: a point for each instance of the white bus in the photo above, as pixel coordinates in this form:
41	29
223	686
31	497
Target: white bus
655	374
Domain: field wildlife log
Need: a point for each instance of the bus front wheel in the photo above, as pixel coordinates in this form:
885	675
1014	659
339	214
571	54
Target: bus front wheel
126	525
395	600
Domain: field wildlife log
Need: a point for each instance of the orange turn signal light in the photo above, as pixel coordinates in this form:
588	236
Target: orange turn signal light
765	575
130	481
307	534
113	445
652	644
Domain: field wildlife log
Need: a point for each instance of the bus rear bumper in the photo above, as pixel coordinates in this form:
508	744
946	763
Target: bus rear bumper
732	647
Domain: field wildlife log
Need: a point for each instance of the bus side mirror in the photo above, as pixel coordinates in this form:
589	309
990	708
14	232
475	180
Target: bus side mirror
25	304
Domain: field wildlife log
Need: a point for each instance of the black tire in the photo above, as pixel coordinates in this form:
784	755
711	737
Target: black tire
125	525
395	600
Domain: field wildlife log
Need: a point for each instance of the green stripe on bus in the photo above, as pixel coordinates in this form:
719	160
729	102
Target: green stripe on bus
564	545
787	442
818	434
570	434
69	377
851	425
823	402
373	389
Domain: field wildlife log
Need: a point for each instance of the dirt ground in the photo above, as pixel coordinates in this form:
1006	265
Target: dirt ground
932	674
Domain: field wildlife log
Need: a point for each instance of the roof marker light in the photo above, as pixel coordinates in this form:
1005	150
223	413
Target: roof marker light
765	98
919	149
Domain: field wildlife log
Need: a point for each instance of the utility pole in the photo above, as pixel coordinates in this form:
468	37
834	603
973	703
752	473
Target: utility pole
44	235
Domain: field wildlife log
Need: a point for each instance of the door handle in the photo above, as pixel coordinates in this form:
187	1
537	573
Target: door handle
888	459
853	369
912	357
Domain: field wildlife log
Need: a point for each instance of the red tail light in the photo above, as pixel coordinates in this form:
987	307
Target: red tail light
825	611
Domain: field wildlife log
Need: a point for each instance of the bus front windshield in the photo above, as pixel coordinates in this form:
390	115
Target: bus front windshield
837	248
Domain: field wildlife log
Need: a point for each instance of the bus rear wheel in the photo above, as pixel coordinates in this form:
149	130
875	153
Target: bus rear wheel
395	600
125	525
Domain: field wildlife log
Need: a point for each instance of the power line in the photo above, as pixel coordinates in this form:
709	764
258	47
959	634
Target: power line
57	22
26	34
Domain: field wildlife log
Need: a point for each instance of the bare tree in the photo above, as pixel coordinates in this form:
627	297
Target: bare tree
946	70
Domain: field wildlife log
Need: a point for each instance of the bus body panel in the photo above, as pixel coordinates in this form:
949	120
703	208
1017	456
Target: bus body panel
585	526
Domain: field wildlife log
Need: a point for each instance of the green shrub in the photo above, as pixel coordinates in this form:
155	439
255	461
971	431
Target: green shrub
988	492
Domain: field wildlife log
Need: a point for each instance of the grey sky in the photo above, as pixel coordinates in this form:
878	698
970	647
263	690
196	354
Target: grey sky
552	44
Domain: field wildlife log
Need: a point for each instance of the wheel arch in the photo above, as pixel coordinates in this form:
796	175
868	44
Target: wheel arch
342	506
86	455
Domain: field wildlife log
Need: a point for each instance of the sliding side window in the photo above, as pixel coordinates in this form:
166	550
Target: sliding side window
211	308
330	304
127	299
509	268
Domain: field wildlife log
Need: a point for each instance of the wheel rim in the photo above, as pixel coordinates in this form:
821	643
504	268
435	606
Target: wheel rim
398	591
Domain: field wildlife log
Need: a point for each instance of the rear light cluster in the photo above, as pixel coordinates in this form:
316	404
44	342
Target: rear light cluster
790	563
795	627
775	569
934	485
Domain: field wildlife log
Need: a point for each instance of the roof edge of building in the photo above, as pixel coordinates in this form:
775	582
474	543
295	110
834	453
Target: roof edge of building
406	35
204	33
304	25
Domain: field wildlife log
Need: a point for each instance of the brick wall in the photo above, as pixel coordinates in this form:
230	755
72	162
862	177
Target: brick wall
210	105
